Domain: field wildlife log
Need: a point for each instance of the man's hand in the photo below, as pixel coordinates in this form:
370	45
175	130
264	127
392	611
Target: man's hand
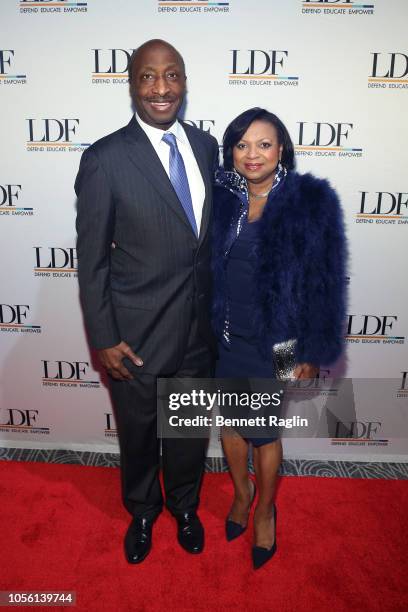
306	370
111	359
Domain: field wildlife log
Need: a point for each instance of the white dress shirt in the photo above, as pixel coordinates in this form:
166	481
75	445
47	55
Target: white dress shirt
195	180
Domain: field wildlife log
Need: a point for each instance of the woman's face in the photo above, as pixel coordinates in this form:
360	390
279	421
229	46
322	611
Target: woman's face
257	154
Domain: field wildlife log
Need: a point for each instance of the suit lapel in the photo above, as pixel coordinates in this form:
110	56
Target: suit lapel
201	158
143	155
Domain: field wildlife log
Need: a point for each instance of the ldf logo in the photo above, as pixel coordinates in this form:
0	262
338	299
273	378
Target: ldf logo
110	428
370	325
13	314
384	203
110	423
8	193
57	258
67	374
111	61
65	370
51	130
5	59
390	65
13	318
321	134
257	62
19	418
320	138
372	329
357	429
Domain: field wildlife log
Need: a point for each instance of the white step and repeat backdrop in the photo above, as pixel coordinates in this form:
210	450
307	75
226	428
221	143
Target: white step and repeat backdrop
335	72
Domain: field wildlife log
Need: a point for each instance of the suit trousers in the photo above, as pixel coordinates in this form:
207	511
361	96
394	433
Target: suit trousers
135	406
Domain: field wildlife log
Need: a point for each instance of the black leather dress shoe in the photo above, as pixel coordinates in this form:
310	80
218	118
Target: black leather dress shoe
138	540
190	532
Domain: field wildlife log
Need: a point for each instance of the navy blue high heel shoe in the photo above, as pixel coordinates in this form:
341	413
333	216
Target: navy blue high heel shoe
232	529
261	555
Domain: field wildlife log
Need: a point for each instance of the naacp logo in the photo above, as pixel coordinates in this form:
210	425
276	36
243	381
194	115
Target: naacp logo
55	262
389	71
316	139
336	7
191	6
15	318
373	329
68	374
358	433
110	428
14	420
10	200
383	208
260	67
8	74
110	66
52	6
55	135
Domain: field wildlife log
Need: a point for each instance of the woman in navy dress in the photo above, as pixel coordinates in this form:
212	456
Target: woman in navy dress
279	270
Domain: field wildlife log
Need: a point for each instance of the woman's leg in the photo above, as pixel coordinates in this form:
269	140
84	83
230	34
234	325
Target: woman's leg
236	453
267	459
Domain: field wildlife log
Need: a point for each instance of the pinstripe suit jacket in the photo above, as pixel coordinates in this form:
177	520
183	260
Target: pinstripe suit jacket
141	269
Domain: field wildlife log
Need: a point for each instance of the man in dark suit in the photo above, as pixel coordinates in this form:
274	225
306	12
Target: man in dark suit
144	207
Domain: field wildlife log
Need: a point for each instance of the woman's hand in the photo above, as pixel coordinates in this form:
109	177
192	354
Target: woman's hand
305	370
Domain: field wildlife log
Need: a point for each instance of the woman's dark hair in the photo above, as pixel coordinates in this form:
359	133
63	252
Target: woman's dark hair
239	126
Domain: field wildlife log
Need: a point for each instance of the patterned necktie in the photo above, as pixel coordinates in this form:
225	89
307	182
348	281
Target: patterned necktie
179	180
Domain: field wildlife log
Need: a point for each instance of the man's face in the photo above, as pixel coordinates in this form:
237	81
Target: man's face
158	85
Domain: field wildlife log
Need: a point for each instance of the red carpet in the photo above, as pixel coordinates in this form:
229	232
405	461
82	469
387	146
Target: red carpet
342	545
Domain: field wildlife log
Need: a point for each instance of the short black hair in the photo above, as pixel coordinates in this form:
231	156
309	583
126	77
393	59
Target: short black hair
148	43
239	126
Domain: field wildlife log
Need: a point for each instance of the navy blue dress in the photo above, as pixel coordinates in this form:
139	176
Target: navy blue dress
242	357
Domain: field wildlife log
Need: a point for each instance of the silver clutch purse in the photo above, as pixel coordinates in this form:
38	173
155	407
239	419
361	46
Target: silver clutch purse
284	359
